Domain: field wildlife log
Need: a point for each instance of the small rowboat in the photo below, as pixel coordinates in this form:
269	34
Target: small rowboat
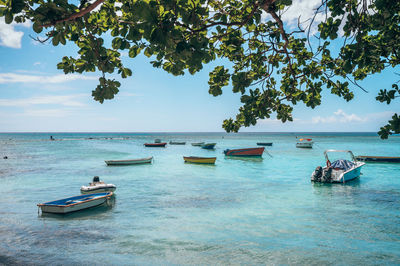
197	143
177	143
75	203
378	159
208	146
264	143
253	152
130	162
201	160
305	143
162	144
98	186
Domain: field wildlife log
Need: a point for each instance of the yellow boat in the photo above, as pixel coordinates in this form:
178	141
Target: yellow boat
204	160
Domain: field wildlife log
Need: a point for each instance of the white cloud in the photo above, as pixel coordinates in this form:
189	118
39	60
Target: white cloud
36	63
9	37
339	117
65	100
20	78
48	113
305	9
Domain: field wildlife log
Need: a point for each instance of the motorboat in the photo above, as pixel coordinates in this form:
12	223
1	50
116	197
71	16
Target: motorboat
199	160
304	143
97	186
339	171
129	162
75	203
247	152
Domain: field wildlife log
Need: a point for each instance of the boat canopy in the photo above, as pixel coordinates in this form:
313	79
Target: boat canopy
343	164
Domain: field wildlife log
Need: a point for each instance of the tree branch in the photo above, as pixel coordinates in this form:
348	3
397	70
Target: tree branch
81	13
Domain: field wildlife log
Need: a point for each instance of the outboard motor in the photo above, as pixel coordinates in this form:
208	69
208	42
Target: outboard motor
327	175
316	175
96	179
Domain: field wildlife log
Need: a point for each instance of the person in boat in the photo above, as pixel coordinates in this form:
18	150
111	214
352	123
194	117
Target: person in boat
96	180
51	138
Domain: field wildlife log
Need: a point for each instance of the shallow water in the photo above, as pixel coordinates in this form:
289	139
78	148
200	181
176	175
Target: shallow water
240	211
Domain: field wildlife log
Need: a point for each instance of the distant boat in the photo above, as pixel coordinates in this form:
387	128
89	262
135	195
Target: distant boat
98	186
162	144
339	171
264	143
305	143
253	152
378	159
75	203
130	162
197	143
200	160
177	142
208	146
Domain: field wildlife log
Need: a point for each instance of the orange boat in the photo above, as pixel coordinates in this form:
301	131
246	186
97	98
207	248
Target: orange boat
249	152
162	144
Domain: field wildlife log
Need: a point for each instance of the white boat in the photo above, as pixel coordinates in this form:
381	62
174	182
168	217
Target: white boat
304	143
98	186
129	162
339	171
75	203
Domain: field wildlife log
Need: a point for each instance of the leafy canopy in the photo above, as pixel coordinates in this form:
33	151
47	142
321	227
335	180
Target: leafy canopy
274	66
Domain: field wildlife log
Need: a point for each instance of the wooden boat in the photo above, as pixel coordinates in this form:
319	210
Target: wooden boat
98	186
264	143
197	143
305	143
208	146
162	144
130	162
339	171
253	152
177	142
378	159
200	160
75	203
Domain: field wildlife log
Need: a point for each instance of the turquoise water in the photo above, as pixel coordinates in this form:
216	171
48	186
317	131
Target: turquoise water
236	212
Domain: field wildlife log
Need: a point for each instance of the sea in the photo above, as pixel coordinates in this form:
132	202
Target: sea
239	211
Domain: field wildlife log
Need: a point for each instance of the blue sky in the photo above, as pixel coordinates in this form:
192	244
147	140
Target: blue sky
37	97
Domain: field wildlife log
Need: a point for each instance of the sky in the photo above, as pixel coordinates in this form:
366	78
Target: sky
37	97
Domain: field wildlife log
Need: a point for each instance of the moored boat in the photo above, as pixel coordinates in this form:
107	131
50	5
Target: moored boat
197	143
208	146
98	186
378	159
177	142
339	171
75	203
200	160
129	162
304	143
162	144
264	143
253	152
